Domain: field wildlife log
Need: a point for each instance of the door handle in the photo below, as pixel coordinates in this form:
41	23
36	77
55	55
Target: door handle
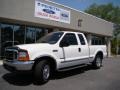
79	49
55	50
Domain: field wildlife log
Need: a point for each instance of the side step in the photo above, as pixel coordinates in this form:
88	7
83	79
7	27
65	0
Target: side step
72	67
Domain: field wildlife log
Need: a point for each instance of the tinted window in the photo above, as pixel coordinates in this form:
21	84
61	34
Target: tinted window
6	32
30	35
82	41
6	36
40	32
70	38
14	34
19	34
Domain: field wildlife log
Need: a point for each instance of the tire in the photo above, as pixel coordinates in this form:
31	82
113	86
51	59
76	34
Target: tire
97	63
42	72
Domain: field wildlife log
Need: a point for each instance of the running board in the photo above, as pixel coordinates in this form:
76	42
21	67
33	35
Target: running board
72	67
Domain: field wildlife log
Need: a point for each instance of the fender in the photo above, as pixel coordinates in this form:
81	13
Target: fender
96	52
40	55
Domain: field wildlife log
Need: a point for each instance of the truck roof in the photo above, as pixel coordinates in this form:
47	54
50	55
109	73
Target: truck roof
69	32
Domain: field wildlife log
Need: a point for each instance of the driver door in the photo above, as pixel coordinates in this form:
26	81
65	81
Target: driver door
71	52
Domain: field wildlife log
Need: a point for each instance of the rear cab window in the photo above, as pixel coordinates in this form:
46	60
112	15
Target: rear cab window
81	39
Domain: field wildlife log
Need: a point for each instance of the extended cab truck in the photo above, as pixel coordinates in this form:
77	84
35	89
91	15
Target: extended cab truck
57	51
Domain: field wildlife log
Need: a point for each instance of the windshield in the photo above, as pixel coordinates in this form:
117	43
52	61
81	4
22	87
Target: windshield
51	38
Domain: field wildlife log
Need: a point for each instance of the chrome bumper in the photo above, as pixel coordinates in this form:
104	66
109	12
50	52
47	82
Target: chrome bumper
18	65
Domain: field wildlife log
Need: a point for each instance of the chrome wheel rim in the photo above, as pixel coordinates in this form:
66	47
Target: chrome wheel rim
46	72
98	62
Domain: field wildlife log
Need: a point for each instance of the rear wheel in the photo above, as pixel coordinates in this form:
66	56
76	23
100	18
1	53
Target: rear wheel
42	72
97	63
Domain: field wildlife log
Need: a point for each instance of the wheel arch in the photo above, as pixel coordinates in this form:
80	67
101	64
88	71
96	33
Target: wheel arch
100	53
51	60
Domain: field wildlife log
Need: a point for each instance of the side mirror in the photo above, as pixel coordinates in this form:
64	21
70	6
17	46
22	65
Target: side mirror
64	44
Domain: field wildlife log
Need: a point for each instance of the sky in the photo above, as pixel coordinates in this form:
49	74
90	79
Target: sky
84	4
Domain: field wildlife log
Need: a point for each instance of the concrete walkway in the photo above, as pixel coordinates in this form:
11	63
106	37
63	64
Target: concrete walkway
1	62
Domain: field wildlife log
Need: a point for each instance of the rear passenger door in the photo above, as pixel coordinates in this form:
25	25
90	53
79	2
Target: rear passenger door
84	54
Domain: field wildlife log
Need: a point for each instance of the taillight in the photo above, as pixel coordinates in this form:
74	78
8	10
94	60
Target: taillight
23	55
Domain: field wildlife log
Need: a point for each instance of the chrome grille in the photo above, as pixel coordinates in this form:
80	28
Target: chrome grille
10	54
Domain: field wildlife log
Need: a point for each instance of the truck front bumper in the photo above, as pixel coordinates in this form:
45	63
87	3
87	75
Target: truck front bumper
18	65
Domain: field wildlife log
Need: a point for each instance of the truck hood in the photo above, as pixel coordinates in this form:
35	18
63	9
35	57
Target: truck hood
37	49
34	46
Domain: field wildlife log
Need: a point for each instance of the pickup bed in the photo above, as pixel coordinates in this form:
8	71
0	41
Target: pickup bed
57	51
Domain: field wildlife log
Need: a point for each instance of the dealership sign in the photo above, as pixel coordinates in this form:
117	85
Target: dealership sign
50	12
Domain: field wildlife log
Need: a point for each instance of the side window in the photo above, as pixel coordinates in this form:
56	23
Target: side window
82	41
70	38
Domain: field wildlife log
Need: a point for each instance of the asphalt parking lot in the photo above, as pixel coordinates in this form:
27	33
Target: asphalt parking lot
106	78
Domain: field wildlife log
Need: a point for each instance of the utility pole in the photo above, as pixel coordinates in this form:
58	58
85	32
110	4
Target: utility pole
117	45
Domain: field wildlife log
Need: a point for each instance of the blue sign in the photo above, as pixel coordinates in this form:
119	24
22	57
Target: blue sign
48	11
64	15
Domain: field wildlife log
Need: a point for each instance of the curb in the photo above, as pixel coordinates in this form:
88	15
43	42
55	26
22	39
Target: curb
116	56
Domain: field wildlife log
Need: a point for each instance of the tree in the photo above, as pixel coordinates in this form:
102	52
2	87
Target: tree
110	13
116	39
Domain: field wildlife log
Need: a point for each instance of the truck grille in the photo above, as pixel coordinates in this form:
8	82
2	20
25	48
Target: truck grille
10	55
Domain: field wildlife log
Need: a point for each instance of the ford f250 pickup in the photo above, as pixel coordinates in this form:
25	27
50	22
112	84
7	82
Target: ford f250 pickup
57	51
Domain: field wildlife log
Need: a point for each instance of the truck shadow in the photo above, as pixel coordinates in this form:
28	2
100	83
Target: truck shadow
70	73
25	79
18	79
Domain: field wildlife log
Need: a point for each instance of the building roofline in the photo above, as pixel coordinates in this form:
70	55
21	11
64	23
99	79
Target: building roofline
80	11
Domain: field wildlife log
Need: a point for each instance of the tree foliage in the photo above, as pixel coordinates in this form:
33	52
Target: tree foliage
110	13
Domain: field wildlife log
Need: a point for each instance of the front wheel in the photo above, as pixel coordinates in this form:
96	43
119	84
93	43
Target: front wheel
42	72
97	63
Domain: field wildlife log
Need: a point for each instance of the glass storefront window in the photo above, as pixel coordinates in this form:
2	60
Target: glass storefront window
40	32
7	32
98	40
19	34
6	37
12	34
0	40
30	35
50	30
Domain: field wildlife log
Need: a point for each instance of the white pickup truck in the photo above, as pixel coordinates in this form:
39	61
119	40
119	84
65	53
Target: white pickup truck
57	51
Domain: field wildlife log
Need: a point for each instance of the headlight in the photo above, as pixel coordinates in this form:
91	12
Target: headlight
23	55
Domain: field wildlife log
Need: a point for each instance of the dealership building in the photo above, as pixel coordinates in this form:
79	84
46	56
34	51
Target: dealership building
26	21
